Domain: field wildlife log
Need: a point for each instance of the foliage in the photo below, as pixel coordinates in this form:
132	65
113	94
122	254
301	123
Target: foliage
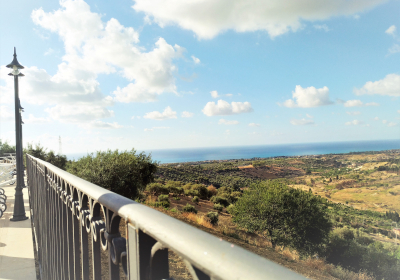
189	208
289	217
219	200
213	216
218	207
157	189
394	216
351	251
6	148
123	172
195	199
40	152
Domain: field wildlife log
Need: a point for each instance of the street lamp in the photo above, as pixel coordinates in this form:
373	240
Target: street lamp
19	208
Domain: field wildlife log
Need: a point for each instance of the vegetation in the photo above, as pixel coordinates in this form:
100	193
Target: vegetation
287	216
124	172
189	208
40	152
6	148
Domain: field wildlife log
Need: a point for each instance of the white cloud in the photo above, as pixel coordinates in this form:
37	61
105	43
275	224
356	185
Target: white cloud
161	127
301	122
391	30
323	27
224	108
5	114
391	124
390	86
223	121
384	121
93	47
33	120
148	129
353	113
358	103
254	124
354	122
195	59
103	125
78	113
214	94
394	49
353	103
186	114
376	119
309	116
398	111
308	97
229	94
167	114
208	18
49	52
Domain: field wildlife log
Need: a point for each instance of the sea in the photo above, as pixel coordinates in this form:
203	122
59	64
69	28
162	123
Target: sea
263	151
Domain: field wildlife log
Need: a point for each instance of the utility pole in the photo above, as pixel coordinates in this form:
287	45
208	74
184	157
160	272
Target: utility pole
19	208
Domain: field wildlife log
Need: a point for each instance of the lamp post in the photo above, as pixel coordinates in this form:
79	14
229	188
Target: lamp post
19	208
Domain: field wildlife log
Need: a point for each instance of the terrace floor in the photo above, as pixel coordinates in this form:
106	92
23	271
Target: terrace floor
17	259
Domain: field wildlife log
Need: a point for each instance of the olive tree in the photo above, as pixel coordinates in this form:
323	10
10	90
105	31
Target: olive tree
122	172
287	216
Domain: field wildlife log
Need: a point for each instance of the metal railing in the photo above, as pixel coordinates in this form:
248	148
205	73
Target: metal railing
74	220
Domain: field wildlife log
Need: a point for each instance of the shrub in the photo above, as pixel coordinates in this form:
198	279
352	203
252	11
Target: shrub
219	200
230	209
213	216
189	208
199	190
153	188
122	172
195	199
163	197
218	207
164	204
212	190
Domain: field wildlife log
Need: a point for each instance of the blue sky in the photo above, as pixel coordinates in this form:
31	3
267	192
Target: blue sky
152	74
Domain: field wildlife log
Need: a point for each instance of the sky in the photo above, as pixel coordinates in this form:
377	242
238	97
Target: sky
166	74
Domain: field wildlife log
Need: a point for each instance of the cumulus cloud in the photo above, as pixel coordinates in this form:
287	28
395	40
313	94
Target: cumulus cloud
224	108
208	18
354	122
390	86
195	59
309	116
254	124
92	47
223	121
186	114
167	114
391	30
103	125
156	127
391	124
301	122
214	94
308	97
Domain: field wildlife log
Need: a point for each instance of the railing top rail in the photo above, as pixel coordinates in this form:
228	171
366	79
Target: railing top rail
210	254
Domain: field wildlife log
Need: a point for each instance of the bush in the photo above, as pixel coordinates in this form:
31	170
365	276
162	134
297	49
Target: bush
164	204
219	200
154	188
163	197
39	152
218	207
174	187
230	209
213	216
195	199
289	217
212	190
189	208
122	172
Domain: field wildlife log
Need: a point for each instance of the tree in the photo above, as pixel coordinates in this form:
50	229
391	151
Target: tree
40	152
287	216
125	173
6	148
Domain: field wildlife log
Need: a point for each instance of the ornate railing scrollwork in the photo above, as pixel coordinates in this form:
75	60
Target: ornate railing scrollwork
75	220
